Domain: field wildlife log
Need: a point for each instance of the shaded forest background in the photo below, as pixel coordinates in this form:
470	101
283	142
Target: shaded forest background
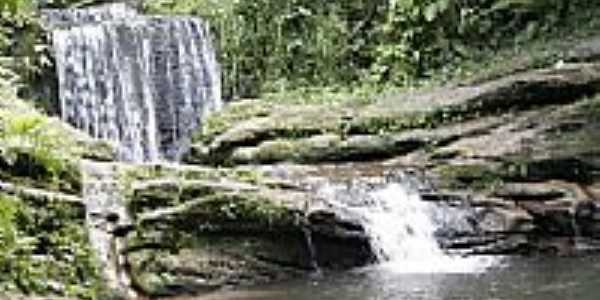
282	45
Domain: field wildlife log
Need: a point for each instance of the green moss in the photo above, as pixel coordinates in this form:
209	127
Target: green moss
472	176
131	174
250	209
44	249
353	96
288	132
395	122
237	214
234	113
148	188
273	151
251	176
328	148
292	114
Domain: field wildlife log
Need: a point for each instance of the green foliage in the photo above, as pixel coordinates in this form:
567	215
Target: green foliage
420	37
20	32
20	7
25	47
29	144
44	249
278	45
38	150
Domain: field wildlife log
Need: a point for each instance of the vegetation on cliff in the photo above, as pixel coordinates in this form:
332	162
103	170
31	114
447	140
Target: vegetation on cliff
44	249
38	150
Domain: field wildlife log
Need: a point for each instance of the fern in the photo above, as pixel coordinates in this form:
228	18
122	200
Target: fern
30	136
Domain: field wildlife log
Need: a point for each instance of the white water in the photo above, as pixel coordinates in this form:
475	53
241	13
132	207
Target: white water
402	229
143	83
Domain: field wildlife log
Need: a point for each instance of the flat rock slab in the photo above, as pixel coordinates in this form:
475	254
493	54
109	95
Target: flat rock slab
530	192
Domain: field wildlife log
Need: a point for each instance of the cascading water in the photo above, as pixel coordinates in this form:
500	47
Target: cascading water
401	226
141	82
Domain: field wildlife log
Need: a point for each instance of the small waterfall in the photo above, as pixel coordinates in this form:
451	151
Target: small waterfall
312	252
402	227
143	83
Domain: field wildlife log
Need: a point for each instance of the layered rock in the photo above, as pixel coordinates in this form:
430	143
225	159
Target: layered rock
193	229
520	151
389	127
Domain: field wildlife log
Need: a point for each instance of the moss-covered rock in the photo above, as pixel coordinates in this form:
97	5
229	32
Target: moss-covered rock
523	148
43	237
327	148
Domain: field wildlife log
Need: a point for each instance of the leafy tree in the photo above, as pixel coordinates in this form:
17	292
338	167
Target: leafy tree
285	44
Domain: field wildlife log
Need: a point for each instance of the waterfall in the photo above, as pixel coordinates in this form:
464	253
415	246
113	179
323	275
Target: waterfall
401	226
143	83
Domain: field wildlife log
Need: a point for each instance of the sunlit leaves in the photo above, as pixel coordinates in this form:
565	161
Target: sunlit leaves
44	249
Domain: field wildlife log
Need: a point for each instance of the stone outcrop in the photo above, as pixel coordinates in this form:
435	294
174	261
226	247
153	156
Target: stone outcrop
391	127
194	229
520	151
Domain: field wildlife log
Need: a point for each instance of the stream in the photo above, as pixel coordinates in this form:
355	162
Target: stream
513	279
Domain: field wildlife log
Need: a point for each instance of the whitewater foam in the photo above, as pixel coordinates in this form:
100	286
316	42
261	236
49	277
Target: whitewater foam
402	229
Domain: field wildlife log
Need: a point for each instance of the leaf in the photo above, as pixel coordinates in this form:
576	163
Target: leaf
431	12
